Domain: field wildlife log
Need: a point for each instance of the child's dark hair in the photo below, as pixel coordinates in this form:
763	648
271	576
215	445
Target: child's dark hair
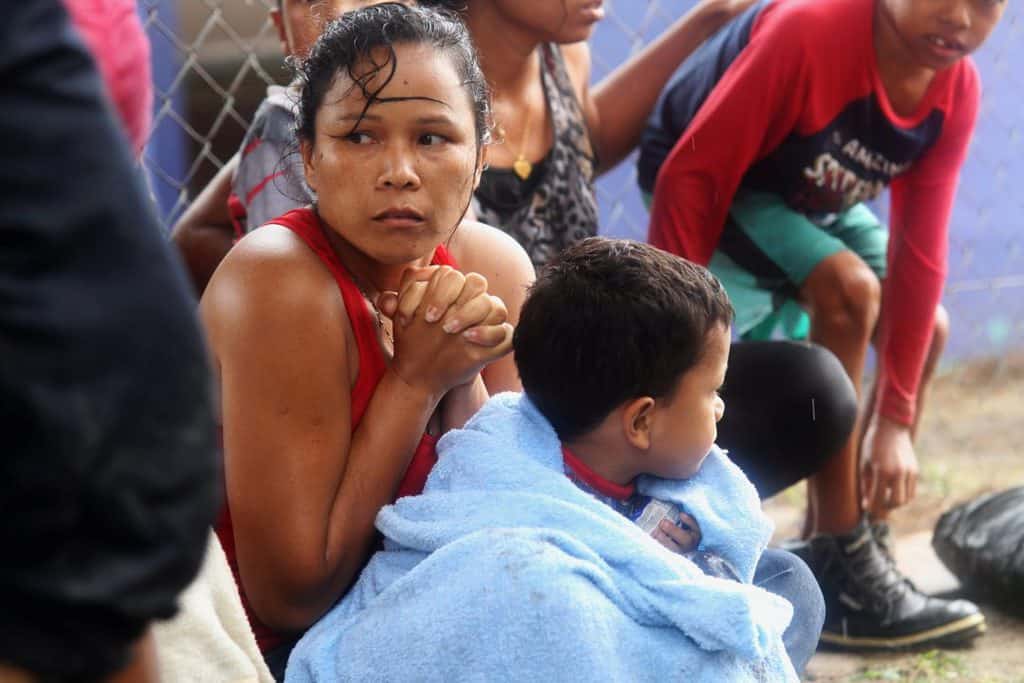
611	320
451	5
353	39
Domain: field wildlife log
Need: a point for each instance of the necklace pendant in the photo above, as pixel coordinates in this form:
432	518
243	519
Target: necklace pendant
522	168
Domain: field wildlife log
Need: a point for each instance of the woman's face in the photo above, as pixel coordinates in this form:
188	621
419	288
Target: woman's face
555	21
397	184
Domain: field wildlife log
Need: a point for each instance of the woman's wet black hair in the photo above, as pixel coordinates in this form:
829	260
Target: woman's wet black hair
356	38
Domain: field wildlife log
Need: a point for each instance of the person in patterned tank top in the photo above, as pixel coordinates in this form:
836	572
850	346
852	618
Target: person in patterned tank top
348	335
556	134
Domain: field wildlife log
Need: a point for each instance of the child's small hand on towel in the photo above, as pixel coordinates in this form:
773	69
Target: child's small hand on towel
681	537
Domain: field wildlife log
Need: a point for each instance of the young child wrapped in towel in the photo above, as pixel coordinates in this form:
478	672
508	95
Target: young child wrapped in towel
588	529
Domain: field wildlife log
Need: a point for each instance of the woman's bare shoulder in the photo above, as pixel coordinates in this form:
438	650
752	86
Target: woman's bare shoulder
270	284
577	63
495	254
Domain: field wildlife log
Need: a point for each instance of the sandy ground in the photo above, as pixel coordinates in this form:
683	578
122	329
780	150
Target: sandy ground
971	442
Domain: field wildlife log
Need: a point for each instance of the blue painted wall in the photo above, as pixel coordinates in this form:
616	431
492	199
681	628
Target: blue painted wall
985	291
165	156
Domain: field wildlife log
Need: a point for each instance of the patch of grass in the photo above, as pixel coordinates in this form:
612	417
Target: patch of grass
936	478
794	496
928	667
889	673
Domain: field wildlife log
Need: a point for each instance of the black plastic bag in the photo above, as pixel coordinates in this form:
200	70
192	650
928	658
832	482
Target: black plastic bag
982	543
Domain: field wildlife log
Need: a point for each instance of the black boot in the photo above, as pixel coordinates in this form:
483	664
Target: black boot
870	605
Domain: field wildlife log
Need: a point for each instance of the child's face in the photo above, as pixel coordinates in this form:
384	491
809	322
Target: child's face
300	22
685	426
940	32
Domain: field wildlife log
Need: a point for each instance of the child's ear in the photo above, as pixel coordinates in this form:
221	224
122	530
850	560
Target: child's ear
638	421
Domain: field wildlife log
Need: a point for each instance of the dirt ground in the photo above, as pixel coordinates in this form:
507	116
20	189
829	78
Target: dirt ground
971	441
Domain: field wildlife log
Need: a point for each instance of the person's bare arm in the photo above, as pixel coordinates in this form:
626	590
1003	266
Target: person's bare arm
502	261
303	489
204	233
618	107
473	312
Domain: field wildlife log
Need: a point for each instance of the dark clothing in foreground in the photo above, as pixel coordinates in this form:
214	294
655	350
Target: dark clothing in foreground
789	408
108	481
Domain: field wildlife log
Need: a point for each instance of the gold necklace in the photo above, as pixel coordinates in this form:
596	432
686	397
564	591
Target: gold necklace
379	316
356	281
521	166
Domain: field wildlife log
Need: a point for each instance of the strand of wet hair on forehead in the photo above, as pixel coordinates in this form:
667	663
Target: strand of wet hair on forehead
350	43
353	38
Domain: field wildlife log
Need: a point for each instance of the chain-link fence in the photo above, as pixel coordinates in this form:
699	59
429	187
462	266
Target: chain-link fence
214	58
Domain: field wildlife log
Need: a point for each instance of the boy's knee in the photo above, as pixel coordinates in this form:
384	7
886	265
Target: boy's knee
844	294
783	573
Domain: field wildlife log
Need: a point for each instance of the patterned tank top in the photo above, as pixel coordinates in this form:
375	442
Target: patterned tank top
556	205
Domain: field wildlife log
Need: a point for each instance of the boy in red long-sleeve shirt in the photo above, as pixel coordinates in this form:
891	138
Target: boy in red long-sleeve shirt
760	156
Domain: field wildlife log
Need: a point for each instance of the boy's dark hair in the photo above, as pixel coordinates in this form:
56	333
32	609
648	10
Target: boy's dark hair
351	41
451	5
608	321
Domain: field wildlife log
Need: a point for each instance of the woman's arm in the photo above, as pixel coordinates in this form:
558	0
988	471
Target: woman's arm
479	248
461	403
303	489
618	108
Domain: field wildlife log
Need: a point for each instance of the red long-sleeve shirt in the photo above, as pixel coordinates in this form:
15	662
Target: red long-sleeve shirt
801	111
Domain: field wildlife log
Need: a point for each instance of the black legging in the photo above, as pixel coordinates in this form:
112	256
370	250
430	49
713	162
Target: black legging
789	407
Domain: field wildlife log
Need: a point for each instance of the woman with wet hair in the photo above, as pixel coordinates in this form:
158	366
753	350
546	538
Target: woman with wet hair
348	335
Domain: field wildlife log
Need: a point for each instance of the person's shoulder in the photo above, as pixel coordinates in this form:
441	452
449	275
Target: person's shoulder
274	252
961	98
577	64
480	248
274	117
813	24
966	79
270	276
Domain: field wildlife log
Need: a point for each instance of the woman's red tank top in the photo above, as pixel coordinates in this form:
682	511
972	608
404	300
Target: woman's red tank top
306	224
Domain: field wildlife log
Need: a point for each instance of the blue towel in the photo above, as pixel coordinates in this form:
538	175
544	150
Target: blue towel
504	570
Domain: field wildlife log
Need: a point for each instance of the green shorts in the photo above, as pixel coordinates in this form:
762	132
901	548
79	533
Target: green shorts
767	250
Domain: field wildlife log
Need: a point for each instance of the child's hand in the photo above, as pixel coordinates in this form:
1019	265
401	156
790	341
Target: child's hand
679	538
446	328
